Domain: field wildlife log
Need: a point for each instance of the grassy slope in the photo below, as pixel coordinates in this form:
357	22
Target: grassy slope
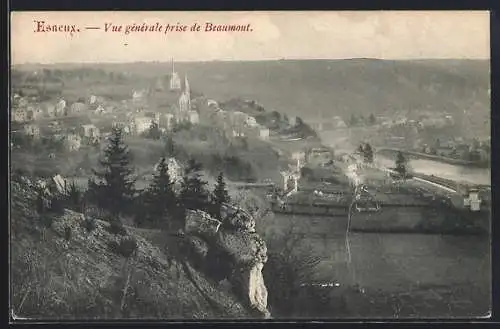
82	278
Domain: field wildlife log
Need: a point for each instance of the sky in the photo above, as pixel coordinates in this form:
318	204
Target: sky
274	35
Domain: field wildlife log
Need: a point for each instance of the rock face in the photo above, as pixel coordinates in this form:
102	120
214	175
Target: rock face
238	246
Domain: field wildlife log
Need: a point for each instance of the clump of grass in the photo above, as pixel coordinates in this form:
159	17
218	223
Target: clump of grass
125	247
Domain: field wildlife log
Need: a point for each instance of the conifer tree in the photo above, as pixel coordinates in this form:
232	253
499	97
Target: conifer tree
220	195
170	148
368	153
114	188
401	164
193	193
160	198
154	131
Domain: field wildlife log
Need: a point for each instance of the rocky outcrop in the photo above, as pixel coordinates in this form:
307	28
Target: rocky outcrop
236	249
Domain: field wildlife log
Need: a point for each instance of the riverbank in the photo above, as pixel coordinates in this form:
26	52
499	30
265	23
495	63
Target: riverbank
419	155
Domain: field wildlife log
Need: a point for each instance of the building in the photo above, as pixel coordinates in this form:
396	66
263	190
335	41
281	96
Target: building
251	122
472	200
90	131
264	133
293	121
92	99
175	81
141	124
168	121
337	122
77	108
32	130
194	117
19	115
49	110
60	108
184	103
34	113
73	142
299	155
212	104
290	181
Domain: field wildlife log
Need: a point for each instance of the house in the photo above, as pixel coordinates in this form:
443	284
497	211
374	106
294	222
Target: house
138	95
251	122
154	117
92	99
212	104
19	115
472	200
337	122
193	117
168	121
125	127
49	110
60	108
73	142
99	109
90	131
290	181
34	113
77	107
293	121
32	130
299	155
264	133
141	124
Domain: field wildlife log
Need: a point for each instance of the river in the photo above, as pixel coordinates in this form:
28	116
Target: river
395	263
453	172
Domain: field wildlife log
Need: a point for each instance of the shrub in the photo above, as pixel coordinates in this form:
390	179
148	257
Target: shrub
125	247
89	224
67	233
116	227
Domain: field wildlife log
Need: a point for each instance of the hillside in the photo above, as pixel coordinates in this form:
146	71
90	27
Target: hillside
62	270
337	87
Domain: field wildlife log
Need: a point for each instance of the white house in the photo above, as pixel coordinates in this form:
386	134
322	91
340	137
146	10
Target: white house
194	117
77	107
60	107
168	121
292	121
92	99
90	131
32	130
73	142
251	122
141	124
264	133
19	115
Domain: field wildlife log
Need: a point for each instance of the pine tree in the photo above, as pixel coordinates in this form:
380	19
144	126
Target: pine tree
353	121
154	131
220	195
160	198
193	193
170	148
368	153
114	188
400	164
372	119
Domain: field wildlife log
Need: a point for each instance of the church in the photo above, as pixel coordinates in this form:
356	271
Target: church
182	110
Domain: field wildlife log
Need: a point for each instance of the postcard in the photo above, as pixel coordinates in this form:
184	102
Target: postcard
319	165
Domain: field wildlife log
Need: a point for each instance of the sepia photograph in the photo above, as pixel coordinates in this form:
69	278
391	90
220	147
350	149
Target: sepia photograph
281	165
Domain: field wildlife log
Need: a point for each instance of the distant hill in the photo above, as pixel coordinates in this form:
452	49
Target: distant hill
322	88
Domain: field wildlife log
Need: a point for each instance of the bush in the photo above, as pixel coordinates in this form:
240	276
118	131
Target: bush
67	233
125	247
116	227
89	224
